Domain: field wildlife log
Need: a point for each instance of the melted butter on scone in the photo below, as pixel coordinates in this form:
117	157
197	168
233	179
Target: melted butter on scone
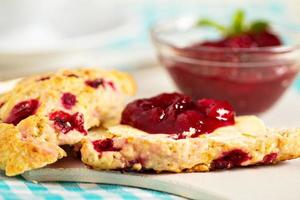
244	125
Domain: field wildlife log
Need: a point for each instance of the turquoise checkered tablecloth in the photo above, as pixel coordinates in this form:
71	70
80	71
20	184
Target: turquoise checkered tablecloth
18	188
15	188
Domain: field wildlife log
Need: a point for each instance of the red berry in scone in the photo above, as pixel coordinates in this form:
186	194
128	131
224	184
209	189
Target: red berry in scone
68	100
22	110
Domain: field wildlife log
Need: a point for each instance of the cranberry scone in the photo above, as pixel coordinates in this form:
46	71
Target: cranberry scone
58	109
68	102
172	133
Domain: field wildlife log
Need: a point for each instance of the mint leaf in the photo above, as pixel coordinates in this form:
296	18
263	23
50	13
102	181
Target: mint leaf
258	26
212	24
238	22
237	26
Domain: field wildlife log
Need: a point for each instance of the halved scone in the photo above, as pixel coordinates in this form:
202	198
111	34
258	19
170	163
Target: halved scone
172	132
247	142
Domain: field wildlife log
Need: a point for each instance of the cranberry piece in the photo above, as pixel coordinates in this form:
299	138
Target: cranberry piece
104	145
65	122
95	83
72	75
22	110
62	121
175	113
44	78
111	84
68	100
138	160
269	158
78	123
233	158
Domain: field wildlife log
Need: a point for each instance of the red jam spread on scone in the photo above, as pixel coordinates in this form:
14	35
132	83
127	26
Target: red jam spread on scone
174	113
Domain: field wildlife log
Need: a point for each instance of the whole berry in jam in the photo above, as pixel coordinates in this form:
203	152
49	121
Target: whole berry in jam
240	34
174	113
22	110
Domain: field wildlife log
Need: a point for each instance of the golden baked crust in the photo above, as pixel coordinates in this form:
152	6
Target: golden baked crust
33	141
21	151
246	143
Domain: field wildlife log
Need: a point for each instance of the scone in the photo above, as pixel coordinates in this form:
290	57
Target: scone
46	111
68	102
198	136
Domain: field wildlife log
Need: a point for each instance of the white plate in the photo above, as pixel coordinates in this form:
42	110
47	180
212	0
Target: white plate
276	182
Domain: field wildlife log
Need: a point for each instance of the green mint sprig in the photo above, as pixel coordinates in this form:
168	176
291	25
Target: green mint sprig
238	25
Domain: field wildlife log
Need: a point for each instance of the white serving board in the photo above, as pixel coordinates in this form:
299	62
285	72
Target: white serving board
276	182
260	183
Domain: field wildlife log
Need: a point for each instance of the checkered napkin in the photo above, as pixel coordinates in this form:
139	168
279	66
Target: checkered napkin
18	188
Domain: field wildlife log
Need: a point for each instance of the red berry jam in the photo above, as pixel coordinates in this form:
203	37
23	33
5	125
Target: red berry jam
104	145
251	80
96	83
68	100
65	122
175	113
270	158
246	40
22	110
233	158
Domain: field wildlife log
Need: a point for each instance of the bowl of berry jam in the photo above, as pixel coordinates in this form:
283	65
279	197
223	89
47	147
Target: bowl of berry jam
249	64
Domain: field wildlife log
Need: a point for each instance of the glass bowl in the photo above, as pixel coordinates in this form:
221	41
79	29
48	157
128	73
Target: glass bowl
251	79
